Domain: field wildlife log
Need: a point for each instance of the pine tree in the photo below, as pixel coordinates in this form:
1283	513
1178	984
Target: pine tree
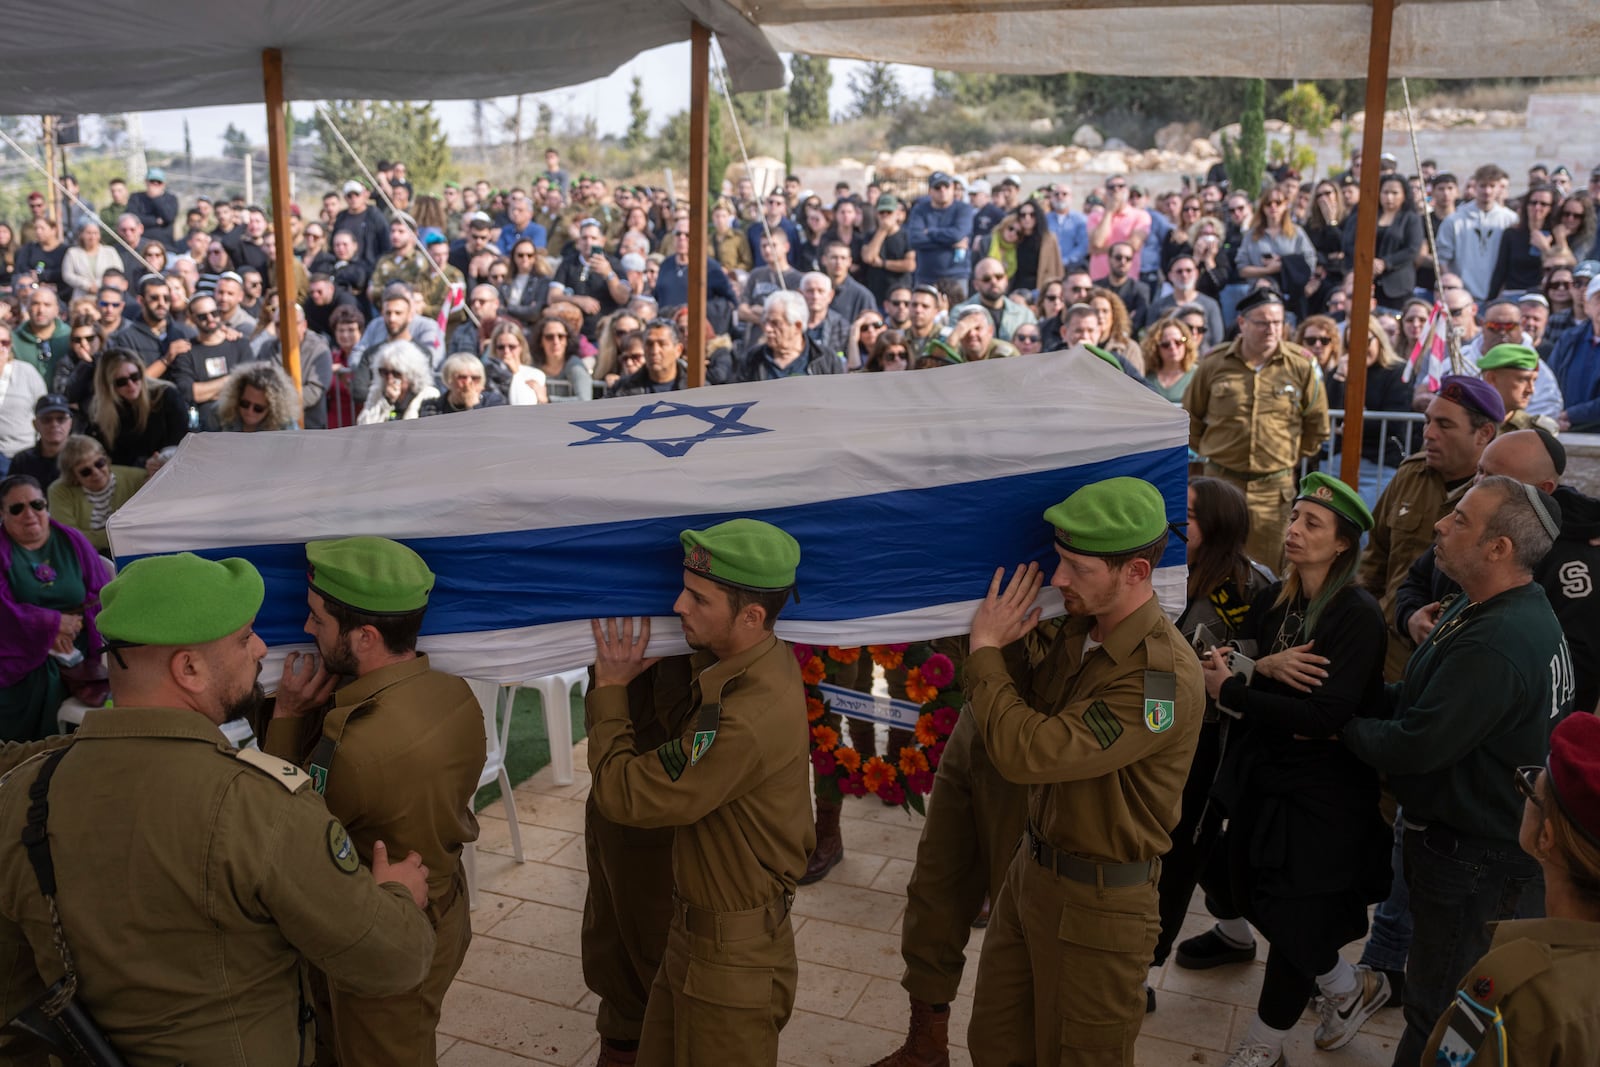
638	116
875	90
380	129
1246	160
235	143
809	83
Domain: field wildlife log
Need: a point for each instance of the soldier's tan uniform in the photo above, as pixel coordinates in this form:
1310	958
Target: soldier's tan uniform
975	819
410	747
727	981
193	879
1414	500
629	902
1253	427
1522	419
733	250
1539	974
1061	977
415	269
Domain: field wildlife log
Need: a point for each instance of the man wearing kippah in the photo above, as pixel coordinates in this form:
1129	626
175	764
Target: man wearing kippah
1478	698
396	748
1257	407
736	783
193	878
1100	721
1512	371
1460	421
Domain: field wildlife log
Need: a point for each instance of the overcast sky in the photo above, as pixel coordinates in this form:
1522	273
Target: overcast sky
665	72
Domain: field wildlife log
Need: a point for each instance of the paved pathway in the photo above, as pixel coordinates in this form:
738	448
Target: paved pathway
520	997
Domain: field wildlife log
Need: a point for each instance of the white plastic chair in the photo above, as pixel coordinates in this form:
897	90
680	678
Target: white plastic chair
555	694
70	713
497	702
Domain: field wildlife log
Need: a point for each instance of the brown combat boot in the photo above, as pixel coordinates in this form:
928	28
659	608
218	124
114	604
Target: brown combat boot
611	1057
830	846
927	1042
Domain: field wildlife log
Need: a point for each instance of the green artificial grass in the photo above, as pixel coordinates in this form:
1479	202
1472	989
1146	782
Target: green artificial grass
529	746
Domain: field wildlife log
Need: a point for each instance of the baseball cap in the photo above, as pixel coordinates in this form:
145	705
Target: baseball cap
978	185
938	178
887	202
1593	290
155	174
51	402
353	186
1009	180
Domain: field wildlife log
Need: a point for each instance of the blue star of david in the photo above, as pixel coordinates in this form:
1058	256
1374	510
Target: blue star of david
715	420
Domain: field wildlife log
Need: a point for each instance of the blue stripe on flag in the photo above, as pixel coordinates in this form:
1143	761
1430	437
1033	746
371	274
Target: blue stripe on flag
861	556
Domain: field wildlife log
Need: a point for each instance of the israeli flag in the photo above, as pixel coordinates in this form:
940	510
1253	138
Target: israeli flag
905	491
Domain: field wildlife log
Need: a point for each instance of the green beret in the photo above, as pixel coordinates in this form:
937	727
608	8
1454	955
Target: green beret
179	600
1517	357
372	575
1107	356
744	553
1110	518
1337	497
939	347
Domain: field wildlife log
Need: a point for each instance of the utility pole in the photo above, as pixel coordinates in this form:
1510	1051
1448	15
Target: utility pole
48	124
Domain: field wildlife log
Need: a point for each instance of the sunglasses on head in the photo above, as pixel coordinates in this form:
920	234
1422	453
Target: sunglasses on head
89	468
37	504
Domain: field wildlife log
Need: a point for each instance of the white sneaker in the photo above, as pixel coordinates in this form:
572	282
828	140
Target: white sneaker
1256	1056
1341	1017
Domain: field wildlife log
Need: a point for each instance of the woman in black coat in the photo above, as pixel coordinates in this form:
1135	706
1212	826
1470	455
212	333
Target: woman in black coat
1520	266
1399	242
1305	850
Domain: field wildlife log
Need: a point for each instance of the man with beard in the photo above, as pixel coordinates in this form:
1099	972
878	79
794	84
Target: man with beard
230	870
734	780
396	748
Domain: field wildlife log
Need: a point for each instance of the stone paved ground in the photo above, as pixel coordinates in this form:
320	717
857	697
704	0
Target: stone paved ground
520	996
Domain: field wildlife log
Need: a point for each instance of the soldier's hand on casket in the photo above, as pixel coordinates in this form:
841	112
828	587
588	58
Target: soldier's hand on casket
618	656
1006	615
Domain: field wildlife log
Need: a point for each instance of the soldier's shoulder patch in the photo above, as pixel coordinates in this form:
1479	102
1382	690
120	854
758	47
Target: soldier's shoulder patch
1103	723
672	758
281	771
341	849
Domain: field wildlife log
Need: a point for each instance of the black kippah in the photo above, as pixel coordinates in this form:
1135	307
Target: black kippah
1558	454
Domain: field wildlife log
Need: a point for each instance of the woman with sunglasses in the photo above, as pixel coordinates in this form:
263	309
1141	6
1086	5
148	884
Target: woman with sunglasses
1529	1001
525	295
134	417
556	355
890	352
1305	850
1276	249
257	397
1526	245
508	363
313	251
1177	242
1170	353
50	582
863	338
91	488
1327	238
1562	292
1572	233
1027	248
1320	337
402	381
1394	268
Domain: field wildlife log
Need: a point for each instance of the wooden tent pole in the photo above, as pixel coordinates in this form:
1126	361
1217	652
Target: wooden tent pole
283	238
699	190
1366	240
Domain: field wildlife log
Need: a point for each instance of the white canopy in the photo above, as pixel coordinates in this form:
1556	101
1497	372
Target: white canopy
90	55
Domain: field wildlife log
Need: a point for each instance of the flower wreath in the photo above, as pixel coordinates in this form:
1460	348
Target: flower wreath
931	681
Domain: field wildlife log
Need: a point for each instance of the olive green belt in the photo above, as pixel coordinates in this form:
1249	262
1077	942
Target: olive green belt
1104	875
734	925
1245	476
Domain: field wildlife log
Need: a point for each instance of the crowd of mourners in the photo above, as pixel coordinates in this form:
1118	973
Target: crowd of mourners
1233	303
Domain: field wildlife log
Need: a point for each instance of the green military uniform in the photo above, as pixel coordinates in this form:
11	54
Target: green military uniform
1522	419
732	250
1253	427
628	906
397	758
975	819
193	879
1102	734
416	270
1415	499
735	786
1539	977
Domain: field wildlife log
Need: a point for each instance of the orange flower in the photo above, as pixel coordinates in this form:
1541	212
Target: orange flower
816	709
886	656
919	691
814	671
825	737
927	733
912	761
877	774
843	655
849	759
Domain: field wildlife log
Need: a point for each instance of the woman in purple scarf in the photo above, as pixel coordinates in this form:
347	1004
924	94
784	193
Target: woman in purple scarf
50	581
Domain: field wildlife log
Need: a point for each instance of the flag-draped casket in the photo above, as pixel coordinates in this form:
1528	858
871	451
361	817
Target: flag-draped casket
905	491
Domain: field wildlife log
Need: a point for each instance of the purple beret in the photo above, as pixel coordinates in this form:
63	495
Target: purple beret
1474	394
